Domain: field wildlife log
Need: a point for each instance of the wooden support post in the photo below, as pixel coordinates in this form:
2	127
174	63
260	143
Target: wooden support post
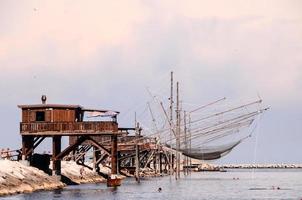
27	147
154	162
56	150
96	157
114	154
160	163
190	142
173	161
186	145
137	163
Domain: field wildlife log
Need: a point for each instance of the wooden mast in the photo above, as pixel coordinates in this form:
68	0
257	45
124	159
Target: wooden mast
186	144
177	131
136	151
171	120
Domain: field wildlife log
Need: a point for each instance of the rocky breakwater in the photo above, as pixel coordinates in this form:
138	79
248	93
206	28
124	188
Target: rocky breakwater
18	178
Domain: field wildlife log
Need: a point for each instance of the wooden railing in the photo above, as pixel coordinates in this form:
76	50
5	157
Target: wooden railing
69	127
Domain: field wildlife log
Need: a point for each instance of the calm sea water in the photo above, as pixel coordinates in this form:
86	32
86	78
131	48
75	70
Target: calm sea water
244	184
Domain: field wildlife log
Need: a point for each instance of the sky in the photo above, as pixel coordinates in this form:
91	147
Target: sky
105	54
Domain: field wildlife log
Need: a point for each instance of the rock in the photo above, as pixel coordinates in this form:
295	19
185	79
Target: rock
18	178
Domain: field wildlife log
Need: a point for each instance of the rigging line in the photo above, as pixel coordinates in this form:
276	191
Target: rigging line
227	128
172	126
220	123
155	100
226	134
152	116
230	110
260	111
197	133
246	116
209	104
201	143
154	97
226	121
230	127
148	135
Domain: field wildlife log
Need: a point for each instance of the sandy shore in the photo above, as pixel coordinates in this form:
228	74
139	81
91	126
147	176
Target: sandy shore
18	178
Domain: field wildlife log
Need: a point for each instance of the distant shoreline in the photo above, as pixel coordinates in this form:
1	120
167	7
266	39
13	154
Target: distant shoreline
223	167
261	166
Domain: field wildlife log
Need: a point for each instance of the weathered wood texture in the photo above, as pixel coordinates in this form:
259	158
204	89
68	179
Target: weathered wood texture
68	128
104	139
51	115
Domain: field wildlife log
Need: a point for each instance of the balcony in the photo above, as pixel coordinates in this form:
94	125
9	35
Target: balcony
69	128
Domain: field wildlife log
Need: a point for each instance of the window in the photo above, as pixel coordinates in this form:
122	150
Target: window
40	116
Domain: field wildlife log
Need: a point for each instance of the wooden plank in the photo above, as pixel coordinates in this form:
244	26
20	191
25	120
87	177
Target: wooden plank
48	116
53	133
25	116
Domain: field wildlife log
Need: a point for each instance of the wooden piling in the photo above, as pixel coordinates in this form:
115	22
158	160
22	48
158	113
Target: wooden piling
160	163
114	154
27	147
137	164
56	150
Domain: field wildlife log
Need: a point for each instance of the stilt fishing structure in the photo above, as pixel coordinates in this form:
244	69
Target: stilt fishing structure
205	132
109	143
55	121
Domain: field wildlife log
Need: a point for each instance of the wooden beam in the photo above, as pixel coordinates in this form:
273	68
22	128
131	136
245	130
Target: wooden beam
79	141
37	142
96	144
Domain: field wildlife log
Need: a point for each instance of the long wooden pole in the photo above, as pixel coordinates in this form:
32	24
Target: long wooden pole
186	143
171	120
136	151
178	130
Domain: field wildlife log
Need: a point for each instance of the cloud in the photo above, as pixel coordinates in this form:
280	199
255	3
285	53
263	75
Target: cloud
104	53
259	41
64	32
